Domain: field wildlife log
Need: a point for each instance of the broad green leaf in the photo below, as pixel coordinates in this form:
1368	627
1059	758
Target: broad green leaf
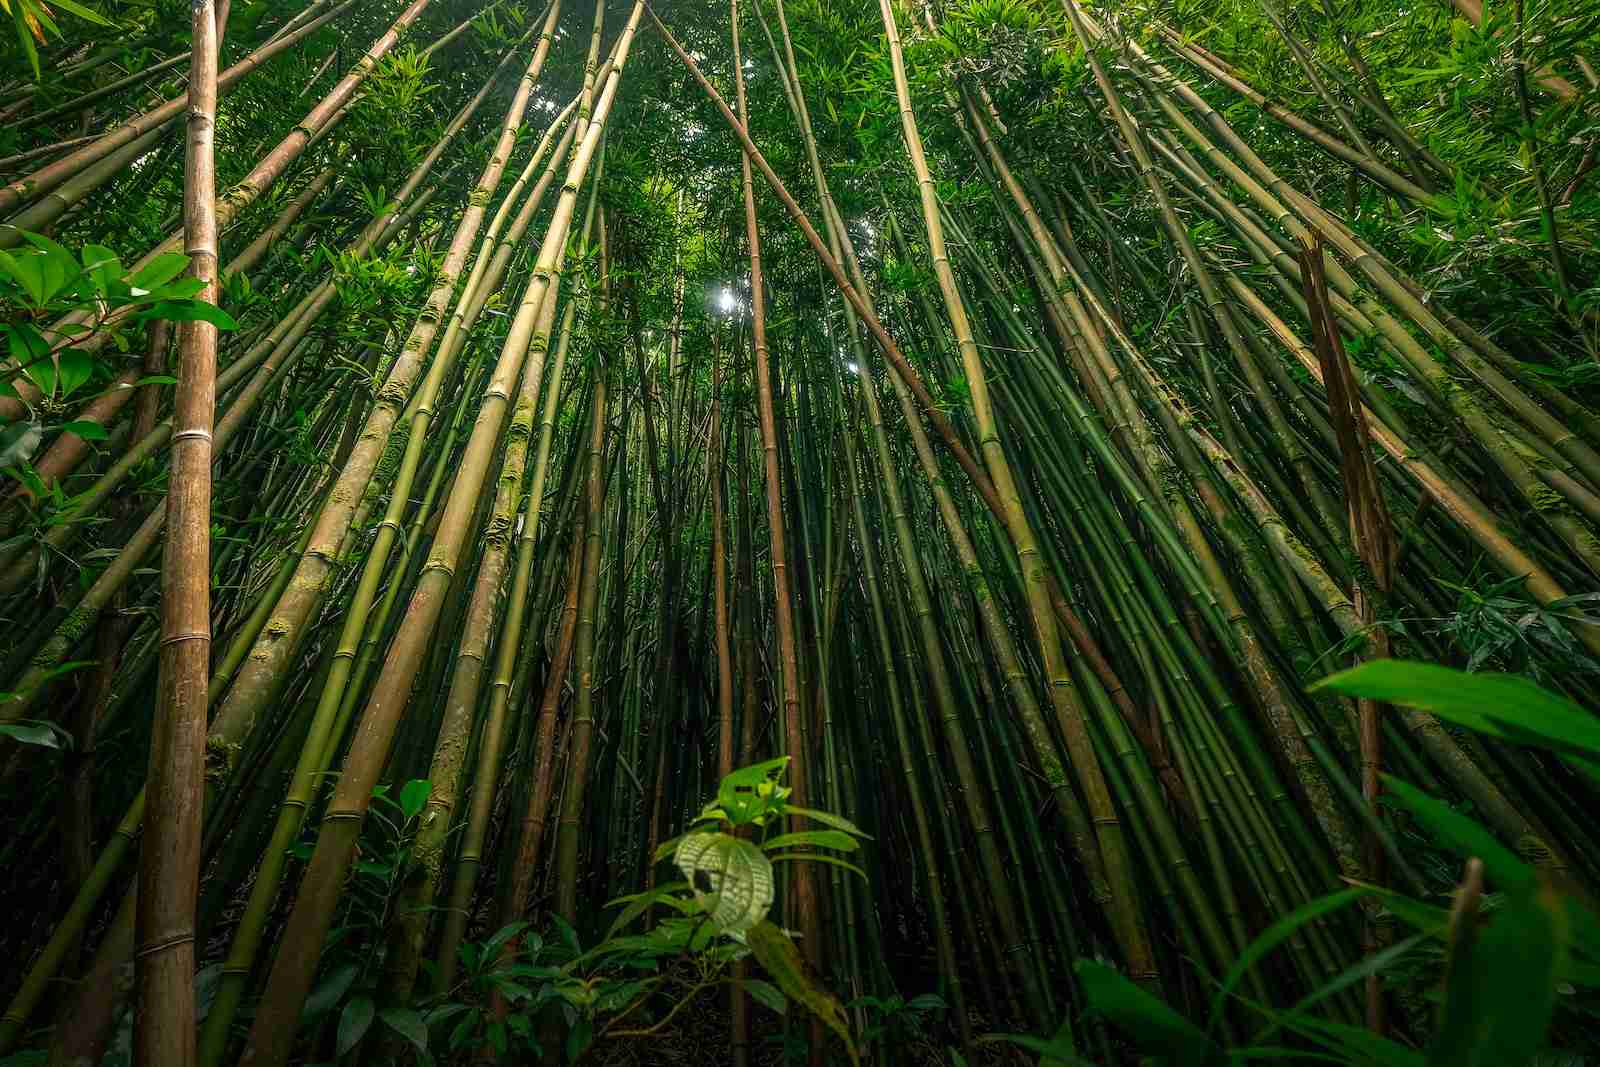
1500	997
331	991
354	1022
89	431
739	876
19	441
821	838
827	818
435	1016
1501	705
101	264
1502	865
748	791
58	266
1147	1019
767	993
409	1025
28	272
512	991
42	372
189	311
32	732
579	1038
818	857
781	960
159	271
74	366
181	289
569	936
667	848
414	797
26	343
492	947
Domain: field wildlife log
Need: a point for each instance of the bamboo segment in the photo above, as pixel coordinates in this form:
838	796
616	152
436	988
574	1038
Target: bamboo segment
169	856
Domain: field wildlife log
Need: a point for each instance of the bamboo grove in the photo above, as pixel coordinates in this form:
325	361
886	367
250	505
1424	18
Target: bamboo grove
444	439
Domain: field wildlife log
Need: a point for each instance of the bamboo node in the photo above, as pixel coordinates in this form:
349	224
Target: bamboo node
153	947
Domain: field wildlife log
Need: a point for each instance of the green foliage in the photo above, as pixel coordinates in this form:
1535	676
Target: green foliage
1502	973
44	282
35	732
516	977
896	1022
1496	626
34	22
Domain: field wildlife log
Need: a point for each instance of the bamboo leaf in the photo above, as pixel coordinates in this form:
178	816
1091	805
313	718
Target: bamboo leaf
1053	1049
638	903
1279	932
1501	705
1502	994
85	13
1462	834
1146	1019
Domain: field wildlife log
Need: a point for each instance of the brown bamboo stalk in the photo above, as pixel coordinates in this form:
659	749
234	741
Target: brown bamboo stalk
719	579
169	868
804	886
584	681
